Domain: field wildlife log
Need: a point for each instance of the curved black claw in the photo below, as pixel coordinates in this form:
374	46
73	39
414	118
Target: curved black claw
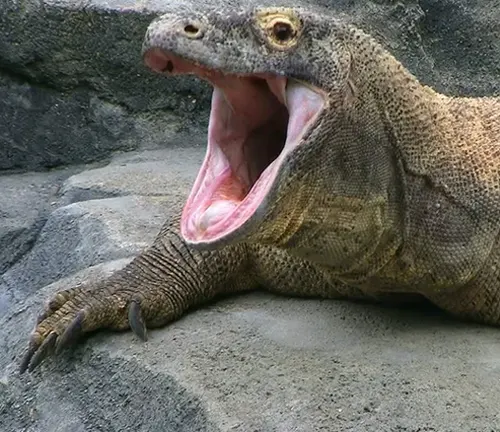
136	321
45	349
72	332
27	357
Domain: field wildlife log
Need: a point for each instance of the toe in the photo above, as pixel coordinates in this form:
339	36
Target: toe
71	333
46	348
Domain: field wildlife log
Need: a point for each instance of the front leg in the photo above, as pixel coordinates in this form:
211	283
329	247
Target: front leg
156	288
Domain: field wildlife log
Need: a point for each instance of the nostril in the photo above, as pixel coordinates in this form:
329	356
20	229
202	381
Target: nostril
170	67
193	31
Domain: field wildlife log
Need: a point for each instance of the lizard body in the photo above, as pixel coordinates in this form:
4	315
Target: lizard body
331	171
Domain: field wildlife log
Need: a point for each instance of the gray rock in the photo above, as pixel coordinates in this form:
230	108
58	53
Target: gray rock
26	200
84	234
73	89
127	175
44	128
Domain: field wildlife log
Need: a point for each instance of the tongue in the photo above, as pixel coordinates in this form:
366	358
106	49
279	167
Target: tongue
217	211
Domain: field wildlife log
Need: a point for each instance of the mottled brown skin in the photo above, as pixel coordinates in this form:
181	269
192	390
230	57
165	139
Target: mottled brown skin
395	192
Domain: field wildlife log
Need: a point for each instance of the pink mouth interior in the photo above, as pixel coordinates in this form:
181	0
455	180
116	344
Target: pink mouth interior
255	120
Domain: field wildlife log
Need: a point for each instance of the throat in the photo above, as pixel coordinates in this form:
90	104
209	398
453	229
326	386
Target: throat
383	77
264	145
249	127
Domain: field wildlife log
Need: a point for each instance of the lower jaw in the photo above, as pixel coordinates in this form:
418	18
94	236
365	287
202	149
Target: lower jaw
209	217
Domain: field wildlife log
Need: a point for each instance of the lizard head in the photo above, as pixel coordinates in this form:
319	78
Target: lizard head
272	89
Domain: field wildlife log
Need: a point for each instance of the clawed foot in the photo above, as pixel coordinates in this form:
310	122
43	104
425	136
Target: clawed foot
79	310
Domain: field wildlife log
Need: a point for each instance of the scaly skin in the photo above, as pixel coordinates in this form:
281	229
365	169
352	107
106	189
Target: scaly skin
394	193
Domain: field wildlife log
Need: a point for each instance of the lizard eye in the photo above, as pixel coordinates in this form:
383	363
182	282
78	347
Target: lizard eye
283	31
280	27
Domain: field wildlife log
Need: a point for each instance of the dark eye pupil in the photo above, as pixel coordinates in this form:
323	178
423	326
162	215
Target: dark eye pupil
283	32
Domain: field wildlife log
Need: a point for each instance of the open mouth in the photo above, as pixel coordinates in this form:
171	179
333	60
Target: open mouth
255	121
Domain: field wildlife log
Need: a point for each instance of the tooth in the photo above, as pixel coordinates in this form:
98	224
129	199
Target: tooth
304	104
219	95
277	86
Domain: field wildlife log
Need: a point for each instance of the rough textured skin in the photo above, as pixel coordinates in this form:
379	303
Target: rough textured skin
394	193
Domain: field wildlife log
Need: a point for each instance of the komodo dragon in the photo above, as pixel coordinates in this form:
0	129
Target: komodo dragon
330	172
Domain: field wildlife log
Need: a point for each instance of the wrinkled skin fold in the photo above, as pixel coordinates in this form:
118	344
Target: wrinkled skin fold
330	172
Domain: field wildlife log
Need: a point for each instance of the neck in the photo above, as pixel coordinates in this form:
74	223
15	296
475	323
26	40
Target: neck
409	110
408	107
434	137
